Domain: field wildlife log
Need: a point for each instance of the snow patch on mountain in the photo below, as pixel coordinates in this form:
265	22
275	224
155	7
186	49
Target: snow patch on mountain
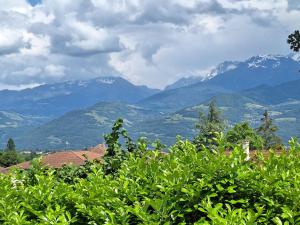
83	83
105	80
204	75
222	68
264	61
295	57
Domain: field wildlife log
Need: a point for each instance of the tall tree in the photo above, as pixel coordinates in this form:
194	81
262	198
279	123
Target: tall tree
10	146
209	127
267	131
294	41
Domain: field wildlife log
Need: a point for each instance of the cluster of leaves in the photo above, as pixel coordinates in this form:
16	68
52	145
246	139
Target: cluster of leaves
185	186
294	41
243	131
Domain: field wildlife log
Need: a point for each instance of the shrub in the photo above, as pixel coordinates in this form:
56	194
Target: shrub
184	186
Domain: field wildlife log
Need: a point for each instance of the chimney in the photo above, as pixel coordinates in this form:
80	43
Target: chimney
245	146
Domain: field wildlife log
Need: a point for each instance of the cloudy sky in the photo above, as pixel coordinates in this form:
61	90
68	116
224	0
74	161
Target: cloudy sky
151	42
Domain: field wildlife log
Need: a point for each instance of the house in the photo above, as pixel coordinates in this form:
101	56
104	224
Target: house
60	159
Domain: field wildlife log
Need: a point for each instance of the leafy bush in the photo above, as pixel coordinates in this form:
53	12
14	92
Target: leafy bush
243	131
184	186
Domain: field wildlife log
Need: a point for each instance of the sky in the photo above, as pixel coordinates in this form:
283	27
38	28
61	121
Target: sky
148	42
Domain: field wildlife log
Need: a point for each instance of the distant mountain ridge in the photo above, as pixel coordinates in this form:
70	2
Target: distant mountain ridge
255	62
189	80
56	99
259	70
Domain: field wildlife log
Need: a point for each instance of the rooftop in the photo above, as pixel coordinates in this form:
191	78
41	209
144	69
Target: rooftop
60	159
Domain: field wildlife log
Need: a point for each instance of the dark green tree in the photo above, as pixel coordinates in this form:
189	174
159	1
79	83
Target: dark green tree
209	126
10	146
294	41
267	130
241	132
10	156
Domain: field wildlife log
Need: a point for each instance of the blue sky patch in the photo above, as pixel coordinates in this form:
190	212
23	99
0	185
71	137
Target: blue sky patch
34	2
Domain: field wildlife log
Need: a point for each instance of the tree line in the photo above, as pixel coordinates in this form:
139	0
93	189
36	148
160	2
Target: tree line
211	126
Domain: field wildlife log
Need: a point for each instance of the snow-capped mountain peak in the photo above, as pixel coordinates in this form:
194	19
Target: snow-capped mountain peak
270	62
264	61
204	75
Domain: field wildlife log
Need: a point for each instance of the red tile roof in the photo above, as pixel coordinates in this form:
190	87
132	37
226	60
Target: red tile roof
59	159
98	149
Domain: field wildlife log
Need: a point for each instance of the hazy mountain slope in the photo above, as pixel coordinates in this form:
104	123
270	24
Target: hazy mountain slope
13	124
216	71
55	99
185	81
175	99
83	128
275	94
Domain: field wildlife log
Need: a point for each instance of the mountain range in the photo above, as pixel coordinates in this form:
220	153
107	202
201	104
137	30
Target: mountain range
76	114
52	100
259	70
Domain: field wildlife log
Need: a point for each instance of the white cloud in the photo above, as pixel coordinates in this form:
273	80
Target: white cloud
10	41
85	39
38	45
146	41
29	71
20	6
18	87
55	70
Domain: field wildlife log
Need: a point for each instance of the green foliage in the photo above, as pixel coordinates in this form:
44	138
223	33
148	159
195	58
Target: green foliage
70	174
116	153
10	156
185	186
209	126
294	41
241	132
267	131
